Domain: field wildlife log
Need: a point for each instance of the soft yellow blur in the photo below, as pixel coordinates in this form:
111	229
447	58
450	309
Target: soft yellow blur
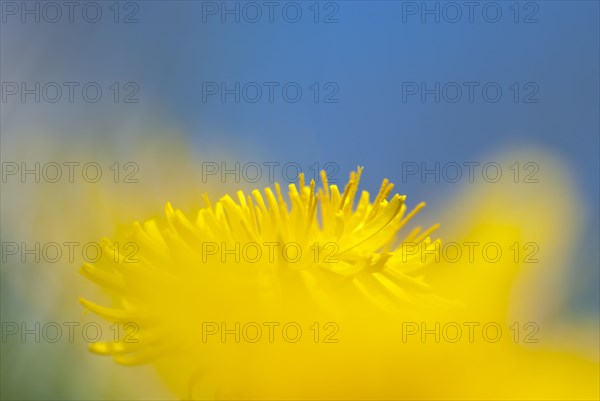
378	354
163	168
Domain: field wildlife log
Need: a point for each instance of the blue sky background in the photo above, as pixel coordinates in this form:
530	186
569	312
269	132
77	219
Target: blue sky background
369	53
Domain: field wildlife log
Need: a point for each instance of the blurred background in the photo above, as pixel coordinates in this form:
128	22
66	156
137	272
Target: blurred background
410	90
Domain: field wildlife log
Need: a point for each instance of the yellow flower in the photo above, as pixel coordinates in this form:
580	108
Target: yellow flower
368	299
258	265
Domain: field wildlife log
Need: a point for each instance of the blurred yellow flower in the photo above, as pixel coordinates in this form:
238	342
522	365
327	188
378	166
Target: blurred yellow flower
79	211
254	300
258	260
